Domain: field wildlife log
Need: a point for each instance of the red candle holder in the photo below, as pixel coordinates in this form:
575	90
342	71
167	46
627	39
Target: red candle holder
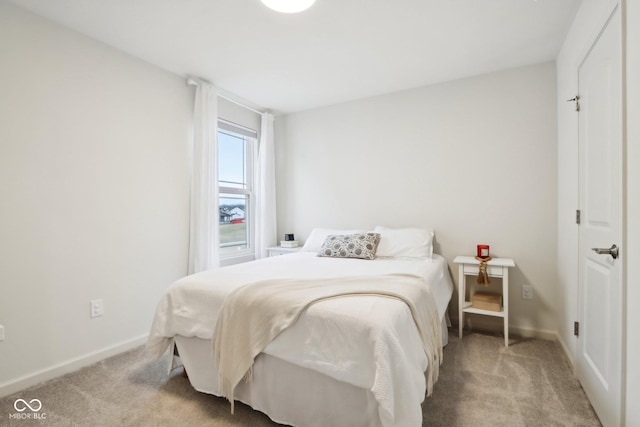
483	251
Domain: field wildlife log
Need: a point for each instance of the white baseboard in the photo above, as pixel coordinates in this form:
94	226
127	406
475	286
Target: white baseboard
496	325
533	333
567	354
69	366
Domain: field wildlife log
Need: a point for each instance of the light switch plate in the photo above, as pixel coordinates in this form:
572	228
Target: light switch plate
1	333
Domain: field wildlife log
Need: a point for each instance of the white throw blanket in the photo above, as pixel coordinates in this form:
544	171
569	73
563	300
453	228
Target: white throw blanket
255	314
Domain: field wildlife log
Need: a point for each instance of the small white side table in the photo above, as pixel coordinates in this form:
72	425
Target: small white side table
279	250
497	267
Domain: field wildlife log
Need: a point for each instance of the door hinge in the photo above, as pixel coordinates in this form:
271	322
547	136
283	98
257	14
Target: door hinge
575	99
578	216
576	329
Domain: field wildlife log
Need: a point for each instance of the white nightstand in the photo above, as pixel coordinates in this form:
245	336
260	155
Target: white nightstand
497	267
279	250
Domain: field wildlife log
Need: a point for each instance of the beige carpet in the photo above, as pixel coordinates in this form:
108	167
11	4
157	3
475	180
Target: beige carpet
482	383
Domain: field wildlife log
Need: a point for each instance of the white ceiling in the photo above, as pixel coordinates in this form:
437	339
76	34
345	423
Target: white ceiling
338	50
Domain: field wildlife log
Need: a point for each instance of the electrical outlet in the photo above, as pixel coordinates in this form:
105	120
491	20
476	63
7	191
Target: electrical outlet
527	292
1	333
97	308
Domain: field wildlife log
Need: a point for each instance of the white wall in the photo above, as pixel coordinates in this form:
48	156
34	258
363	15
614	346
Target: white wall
93	185
633	212
473	158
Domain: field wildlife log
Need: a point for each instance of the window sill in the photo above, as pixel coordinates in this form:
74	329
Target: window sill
233	259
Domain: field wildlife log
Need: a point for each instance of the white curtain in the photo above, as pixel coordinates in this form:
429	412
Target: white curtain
266	226
204	210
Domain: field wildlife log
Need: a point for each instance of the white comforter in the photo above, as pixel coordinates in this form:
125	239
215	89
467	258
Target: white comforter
346	338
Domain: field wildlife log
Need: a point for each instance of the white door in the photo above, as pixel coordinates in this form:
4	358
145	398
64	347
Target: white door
599	358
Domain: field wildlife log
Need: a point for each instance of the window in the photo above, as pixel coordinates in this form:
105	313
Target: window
235	183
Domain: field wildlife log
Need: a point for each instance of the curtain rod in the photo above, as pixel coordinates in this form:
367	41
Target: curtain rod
194	81
241	104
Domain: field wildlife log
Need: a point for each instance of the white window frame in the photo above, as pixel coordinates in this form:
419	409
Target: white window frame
251	140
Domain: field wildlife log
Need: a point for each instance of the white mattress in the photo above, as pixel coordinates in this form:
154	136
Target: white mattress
317	341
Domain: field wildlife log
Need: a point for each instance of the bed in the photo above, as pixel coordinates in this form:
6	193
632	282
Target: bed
356	361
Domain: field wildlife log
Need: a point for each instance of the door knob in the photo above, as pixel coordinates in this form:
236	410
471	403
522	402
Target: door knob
613	251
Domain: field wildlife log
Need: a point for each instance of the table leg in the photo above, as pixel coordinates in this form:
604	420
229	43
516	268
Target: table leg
505	304
461	292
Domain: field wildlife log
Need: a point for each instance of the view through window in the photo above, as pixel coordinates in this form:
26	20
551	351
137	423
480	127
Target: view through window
234	181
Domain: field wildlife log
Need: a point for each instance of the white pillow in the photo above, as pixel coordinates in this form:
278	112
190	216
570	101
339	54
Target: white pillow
318	236
405	242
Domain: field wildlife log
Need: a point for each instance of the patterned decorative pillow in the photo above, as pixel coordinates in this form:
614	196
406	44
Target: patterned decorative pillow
361	245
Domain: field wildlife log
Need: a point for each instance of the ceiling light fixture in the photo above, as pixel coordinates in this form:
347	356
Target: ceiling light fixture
288	6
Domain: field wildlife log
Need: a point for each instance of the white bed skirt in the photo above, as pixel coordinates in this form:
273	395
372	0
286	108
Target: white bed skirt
287	393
